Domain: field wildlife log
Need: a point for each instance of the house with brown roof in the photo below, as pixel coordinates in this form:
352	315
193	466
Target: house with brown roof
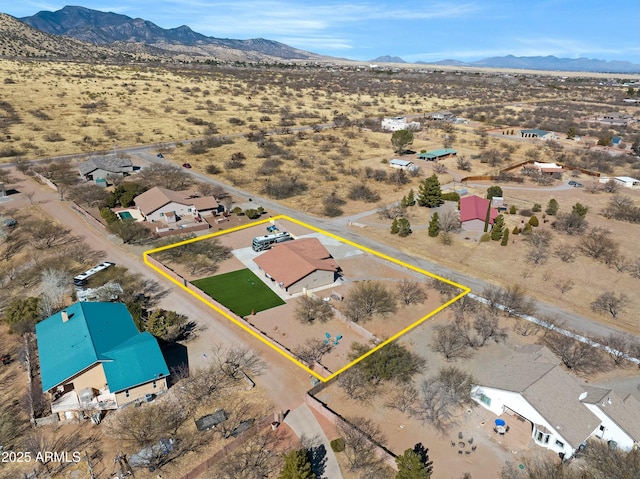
473	213
300	264
161	204
564	412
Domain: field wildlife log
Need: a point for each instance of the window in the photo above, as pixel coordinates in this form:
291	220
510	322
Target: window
559	443
485	399
126	393
161	213
154	385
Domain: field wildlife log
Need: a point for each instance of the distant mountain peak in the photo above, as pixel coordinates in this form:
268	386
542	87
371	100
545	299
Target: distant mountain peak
388	59
549	63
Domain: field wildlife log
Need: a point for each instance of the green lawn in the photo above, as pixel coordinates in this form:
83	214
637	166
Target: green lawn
240	291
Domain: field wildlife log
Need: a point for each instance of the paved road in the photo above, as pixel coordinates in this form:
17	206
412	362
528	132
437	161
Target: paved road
304	423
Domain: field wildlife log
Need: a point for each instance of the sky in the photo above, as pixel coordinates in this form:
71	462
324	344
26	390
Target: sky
415	30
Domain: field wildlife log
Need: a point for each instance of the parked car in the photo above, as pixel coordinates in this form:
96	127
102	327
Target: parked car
572	183
578	185
186	165
160	155
10	223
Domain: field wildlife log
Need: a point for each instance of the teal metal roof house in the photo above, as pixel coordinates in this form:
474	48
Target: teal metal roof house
437	154
93	356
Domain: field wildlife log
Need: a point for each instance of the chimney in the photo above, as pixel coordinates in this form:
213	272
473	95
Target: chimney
65	316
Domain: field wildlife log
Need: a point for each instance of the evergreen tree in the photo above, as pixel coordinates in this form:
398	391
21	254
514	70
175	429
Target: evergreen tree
533	221
494	191
297	466
505	238
430	193
487	218
403	202
552	207
571	134
513	210
394	226
404	227
527	229
580	210
434	226
498	228
400	139
410	466
516	230
411	198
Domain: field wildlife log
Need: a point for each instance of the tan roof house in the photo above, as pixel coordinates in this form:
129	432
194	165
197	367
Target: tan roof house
564	412
299	264
161	204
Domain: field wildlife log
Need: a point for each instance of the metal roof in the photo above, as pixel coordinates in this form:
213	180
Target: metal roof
97	333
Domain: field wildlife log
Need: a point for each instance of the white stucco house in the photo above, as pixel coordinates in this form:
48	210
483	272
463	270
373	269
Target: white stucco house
402	164
399	123
563	411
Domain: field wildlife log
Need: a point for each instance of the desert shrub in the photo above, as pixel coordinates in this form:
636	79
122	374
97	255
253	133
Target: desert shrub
284	187
252	213
451	196
332	205
213	169
533	221
337	445
536	207
512	210
270	166
364	193
485	238
526	212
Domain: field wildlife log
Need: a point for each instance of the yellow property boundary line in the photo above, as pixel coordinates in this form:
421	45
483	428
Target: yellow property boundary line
465	290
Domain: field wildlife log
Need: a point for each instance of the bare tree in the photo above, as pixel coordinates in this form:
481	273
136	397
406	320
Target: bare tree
356	384
574	354
361	436
411	292
609	302
140	426
403	398
564	285
620	345
565	252
598	244
256	457
310	309
44	234
448	341
313	350
487	327
449	221
236	362
54	286
369	298
442	396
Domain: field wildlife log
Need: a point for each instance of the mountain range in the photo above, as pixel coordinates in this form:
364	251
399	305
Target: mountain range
92	34
114	30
